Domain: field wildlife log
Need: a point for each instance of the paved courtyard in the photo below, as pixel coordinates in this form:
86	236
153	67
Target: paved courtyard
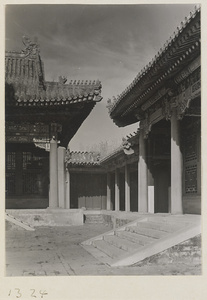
55	251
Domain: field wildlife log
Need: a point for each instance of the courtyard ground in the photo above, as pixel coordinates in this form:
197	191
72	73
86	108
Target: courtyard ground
56	251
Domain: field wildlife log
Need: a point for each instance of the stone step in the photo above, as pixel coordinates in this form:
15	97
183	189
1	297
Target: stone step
99	255
108	249
134	237
140	239
161	226
121	243
92	219
153	233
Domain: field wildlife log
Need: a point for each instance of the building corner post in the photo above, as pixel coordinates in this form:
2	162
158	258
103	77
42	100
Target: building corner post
117	191
142	175
127	188
61	176
53	193
108	203
67	189
176	166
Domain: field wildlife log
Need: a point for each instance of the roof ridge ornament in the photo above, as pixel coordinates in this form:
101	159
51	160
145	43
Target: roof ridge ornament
127	147
62	79
31	48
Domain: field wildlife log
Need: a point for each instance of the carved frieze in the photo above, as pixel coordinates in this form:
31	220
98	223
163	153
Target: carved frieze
26	132
183	102
166	109
12	127
19	139
146	125
188	70
184	98
160	93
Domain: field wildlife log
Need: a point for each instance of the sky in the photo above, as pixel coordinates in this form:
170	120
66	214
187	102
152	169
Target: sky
111	43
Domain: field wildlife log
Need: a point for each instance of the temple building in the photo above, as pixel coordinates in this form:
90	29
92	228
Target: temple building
41	118
165	98
148	190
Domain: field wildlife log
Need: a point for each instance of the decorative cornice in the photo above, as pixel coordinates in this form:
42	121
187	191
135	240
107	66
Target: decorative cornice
188	70
159	94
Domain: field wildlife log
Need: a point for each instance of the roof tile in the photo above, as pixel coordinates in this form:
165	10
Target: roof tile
77	158
25	81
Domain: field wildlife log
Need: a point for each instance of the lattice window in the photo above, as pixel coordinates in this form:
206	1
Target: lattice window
27	157
191	179
10	183
10	172
30	183
10	161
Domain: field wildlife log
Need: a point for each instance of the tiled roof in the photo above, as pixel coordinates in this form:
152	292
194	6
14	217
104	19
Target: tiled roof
54	93
83	159
184	42
78	158
25	84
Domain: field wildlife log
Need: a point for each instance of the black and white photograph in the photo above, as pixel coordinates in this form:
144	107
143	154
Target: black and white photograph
103	160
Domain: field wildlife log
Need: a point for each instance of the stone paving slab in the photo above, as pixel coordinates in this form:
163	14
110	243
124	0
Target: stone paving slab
56	251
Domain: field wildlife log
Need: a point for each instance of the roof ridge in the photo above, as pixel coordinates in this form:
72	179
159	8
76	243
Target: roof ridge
84	81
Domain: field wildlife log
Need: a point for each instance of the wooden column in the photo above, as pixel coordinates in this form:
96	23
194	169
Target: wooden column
127	188
67	190
150	179
142	175
108	203
151	192
117	191
53	194
176	166
61	176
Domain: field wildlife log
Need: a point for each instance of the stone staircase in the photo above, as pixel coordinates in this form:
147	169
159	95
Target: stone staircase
47	217
18	222
147	236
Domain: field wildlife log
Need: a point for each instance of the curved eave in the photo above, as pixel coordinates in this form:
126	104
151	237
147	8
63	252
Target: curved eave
179	51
